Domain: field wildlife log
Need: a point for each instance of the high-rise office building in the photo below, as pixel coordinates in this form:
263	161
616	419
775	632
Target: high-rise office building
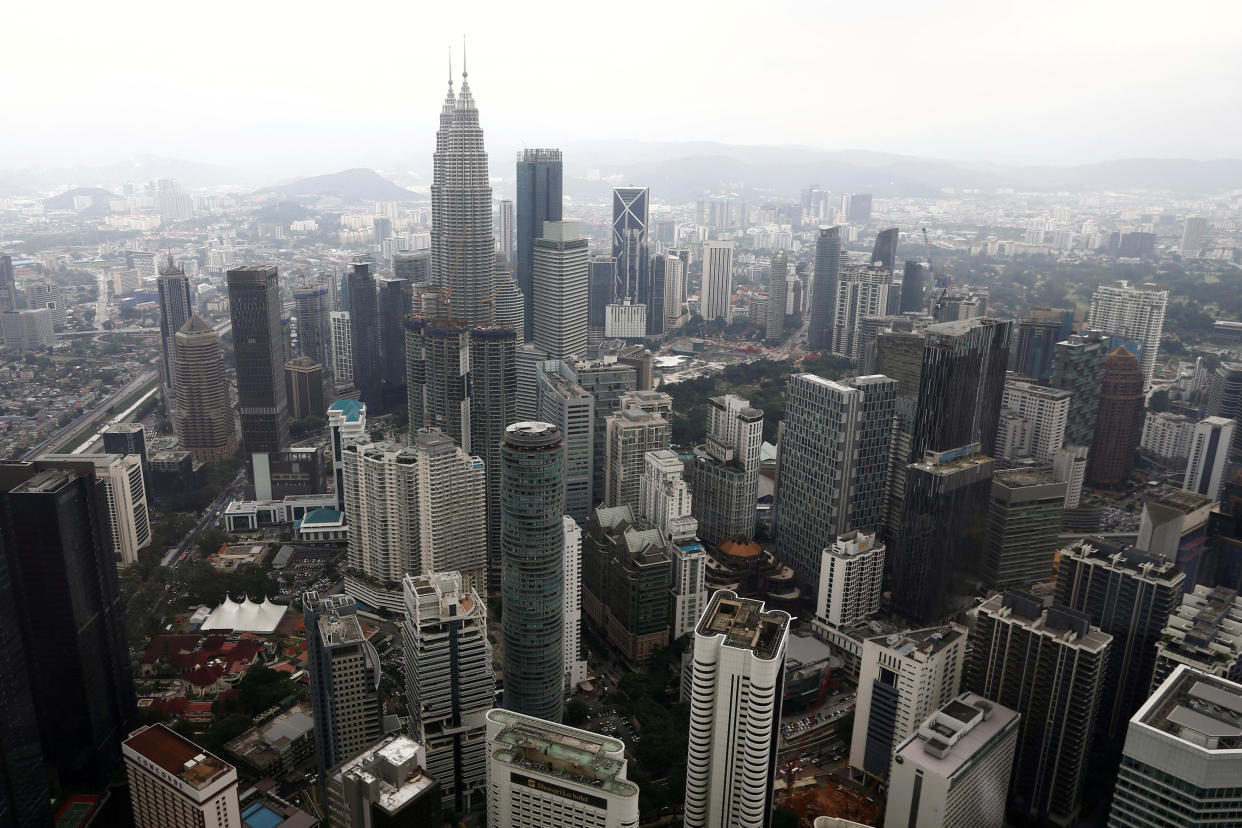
59	555
607	380
862	291
462	246
126	512
347	422
8	284
717	281
832	465
526	400
1078	367
1049	665
344	673
533	565
50	296
942	526
954	771
395	297
1129	595
259	351
850	577
737	688
1119	420
364	335
915	284
857	208
571	408
437	362
127	438
506	234
541	774
1193	232
560	290
630	434
539	175
493	397
386	784
778	280
885	249
656	295
1202	633
173	783
902	679
342	348
413	265
1045	413
1209	452
629	243
449	682
27	329
313	306
304	388
176	305
1024	515
576	669
203	418
601	283
452	518
1182	761
675	277
1136	314
382	510
724	475
1225	399
1036	338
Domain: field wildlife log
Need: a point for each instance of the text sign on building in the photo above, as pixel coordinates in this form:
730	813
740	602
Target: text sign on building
557	790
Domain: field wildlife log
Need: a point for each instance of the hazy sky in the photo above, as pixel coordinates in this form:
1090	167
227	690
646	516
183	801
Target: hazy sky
315	86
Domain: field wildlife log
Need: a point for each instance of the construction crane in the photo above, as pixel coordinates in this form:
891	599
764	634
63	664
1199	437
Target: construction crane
446	292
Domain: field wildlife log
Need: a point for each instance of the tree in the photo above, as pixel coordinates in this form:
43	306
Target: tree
1159	401
262	687
211	539
576	713
785	818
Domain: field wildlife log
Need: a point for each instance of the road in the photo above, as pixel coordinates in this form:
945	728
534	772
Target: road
173	560
62	435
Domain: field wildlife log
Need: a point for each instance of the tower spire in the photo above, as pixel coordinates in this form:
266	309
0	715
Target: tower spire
450	65
464	73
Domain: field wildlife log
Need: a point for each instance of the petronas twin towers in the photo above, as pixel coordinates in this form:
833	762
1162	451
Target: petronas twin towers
463	249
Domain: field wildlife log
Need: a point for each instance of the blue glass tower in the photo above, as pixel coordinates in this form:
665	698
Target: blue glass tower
538	200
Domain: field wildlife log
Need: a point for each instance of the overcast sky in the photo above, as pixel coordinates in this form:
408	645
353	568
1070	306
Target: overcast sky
314	86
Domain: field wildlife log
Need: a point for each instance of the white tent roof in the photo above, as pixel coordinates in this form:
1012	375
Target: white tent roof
246	616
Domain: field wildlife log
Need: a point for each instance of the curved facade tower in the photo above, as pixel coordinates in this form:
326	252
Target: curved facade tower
462	244
533	568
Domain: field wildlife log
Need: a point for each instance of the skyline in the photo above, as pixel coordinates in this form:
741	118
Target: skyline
1072	85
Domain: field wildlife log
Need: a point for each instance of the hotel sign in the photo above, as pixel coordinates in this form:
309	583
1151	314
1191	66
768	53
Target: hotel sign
557	790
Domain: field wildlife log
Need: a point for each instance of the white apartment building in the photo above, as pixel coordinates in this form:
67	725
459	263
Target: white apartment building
1209	450
735	707
452	516
1069	466
347	423
1167	436
674	289
575	665
862	290
560	290
625	321
902	679
954	771
664	496
173	783
546	775
1046	410
1135	313
717	292
449	681
342	347
851	574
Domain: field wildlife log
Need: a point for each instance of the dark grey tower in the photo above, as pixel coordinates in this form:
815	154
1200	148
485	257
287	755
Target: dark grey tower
533	573
915	281
885	250
395	296
601	282
493	396
259	350
629	243
538	200
175	307
66	598
8	284
824	288
364	335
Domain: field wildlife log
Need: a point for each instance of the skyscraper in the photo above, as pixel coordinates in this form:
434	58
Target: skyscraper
1045	413
452	519
857	208
304	388
576	669
1129	595
1181	761
342	348
862	291
8	284
538	200
724	474
915	282
602	282
1134	313
824	287
629	243
314	330
954	771
382	510
203	418
259	350
542	774
126	511
942	526
1024	516
68	610
1192	237
1048	664
493	397
738	685
1119	421
449	682
1035	345
674	289
50	296
630	434
533	565
413	265
347	422
387	783
176	305
173	781
885	250
508	231
717	282
1225	399
462	246
1202	633
560	290
850	576
1209	451
658	267
437	363
364	335
395	297
344	673
571	408
1078	367
777	281
832	465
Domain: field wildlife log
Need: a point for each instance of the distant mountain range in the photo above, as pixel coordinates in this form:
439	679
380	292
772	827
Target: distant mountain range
358	184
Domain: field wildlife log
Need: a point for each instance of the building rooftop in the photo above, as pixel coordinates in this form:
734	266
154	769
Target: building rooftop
948	741
1057	621
745	624
336	629
920	644
588	759
1199	709
948	462
1179	502
177	755
1122	556
395	767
